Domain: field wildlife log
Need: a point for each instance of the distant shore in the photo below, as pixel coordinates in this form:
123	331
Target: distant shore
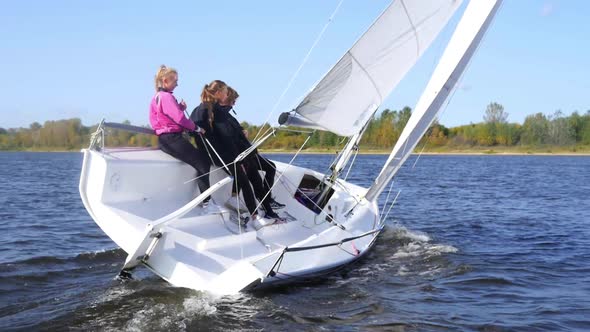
585	154
449	152
459	152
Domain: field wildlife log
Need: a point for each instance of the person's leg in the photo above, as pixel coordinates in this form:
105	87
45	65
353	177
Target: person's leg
181	149
269	169
240	176
260	192
203	166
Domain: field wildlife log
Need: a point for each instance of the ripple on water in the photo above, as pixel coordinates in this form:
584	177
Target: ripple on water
485	243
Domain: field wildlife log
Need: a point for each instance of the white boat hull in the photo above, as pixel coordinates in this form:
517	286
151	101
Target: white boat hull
129	192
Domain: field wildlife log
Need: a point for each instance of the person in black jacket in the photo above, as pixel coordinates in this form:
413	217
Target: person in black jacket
254	162
220	132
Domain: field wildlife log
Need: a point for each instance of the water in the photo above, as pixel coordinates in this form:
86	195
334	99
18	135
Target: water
485	243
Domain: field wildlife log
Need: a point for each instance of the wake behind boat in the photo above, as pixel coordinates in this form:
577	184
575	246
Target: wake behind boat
149	204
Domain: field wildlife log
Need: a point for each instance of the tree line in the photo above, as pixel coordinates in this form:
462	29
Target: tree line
538	131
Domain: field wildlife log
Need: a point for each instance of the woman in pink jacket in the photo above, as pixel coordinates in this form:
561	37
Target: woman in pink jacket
168	121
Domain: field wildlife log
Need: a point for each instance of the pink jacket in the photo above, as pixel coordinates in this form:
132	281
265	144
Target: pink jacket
166	116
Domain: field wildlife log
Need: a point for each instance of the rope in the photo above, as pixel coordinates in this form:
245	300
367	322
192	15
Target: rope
318	38
280	176
387	198
224	165
390	207
257	156
332	219
356	152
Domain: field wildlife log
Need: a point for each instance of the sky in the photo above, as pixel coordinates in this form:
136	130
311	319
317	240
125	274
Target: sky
97	59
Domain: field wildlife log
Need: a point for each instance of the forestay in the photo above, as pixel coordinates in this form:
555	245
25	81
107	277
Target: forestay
470	30
345	99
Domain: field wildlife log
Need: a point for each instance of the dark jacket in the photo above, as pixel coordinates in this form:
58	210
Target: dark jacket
241	141
223	135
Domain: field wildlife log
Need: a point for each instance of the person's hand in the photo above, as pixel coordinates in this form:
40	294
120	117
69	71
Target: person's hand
245	133
199	130
182	105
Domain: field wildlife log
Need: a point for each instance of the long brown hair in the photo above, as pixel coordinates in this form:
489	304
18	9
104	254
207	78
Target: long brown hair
208	97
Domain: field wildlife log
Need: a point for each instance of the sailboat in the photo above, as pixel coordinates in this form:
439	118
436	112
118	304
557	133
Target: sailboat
155	215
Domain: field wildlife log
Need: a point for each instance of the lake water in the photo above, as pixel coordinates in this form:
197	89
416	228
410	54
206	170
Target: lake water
484	243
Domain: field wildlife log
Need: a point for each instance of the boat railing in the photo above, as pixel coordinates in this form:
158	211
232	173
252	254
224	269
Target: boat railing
271	272
97	138
154	230
130	128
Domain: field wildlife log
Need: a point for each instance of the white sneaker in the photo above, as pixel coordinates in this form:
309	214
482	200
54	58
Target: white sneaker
209	207
212	208
241	220
260	222
236	204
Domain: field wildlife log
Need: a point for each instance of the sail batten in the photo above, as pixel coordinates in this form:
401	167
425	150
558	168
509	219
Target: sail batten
461	47
367	73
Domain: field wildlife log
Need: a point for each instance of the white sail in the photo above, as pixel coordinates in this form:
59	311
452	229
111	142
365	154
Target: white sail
345	99
470	30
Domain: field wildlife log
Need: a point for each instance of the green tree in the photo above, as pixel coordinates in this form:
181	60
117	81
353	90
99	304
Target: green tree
560	130
495	114
534	129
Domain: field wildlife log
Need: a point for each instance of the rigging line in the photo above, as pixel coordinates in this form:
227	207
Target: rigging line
421	151
280	180
200	176
175	187
257	156
288	165
238	211
354	196
319	37
387	198
382	221
338	148
346	190
237	188
217	154
206	149
276	171
193	179
253	147
356	152
296	189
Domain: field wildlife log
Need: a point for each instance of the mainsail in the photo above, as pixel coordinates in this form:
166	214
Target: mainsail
346	98
470	30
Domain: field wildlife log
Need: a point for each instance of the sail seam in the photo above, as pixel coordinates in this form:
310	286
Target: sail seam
413	28
368	76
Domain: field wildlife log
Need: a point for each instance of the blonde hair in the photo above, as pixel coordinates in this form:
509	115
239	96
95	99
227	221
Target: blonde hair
232	95
163	73
208	97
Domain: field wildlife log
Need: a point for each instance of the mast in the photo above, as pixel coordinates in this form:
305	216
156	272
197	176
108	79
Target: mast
340	163
467	36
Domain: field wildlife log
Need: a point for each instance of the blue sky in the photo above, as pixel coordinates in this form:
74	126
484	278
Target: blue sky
64	59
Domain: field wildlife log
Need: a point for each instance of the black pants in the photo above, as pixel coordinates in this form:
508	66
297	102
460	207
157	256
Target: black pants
260	189
248	180
178	147
241	182
269	169
256	162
